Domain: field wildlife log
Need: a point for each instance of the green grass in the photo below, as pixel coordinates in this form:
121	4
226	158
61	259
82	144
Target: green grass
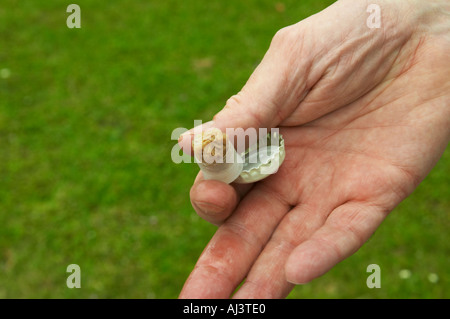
86	175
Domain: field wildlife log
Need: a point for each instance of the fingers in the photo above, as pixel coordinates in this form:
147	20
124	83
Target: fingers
345	231
267	277
280	260
234	247
214	201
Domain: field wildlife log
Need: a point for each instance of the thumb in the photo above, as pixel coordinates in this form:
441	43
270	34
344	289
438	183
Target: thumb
270	95
266	100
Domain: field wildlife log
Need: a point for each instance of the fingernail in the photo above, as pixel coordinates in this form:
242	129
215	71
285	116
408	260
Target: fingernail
295	282
185	143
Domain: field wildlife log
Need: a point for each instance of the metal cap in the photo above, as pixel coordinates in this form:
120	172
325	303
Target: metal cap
260	161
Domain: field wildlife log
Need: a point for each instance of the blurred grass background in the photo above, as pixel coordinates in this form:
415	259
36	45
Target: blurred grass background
86	176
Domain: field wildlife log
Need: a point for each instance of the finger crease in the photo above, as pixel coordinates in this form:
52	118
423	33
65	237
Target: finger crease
243	232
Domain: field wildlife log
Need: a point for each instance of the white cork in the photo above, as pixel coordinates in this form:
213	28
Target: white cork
216	156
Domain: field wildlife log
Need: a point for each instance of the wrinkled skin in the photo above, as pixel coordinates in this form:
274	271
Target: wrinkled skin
365	116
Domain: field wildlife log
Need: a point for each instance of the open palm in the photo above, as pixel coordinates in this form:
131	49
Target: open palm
358	142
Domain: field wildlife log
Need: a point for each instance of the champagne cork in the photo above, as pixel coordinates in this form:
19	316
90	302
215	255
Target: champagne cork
215	155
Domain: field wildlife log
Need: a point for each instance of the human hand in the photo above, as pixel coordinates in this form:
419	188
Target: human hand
365	116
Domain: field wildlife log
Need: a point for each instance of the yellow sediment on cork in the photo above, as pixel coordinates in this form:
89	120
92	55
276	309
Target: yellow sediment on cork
209	143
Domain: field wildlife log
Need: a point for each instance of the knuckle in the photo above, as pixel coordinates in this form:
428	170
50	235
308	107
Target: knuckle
234	101
231	105
283	35
232	109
